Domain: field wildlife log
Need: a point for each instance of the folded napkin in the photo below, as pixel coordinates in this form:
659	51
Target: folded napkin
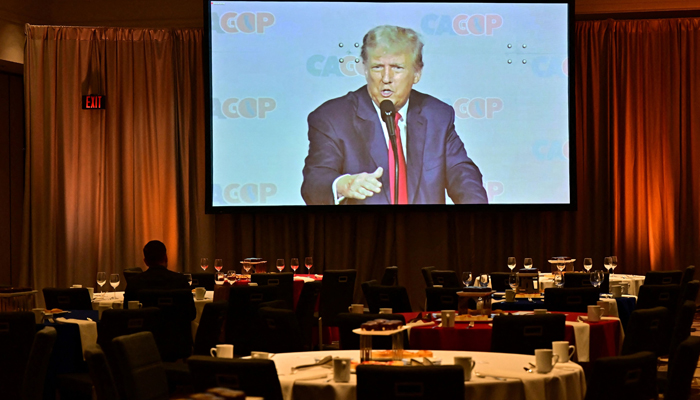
303	278
88	330
582	335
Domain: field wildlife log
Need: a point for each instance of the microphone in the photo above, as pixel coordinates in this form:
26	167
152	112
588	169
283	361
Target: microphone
387	110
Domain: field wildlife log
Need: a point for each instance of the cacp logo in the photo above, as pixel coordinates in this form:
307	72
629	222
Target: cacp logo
249	107
320	65
246	22
493	189
248	193
477	107
550	150
463	24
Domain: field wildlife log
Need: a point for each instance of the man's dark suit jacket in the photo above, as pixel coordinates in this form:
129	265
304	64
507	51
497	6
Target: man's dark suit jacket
346	137
156	278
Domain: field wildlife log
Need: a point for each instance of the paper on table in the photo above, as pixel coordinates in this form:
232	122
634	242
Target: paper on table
582	335
87	329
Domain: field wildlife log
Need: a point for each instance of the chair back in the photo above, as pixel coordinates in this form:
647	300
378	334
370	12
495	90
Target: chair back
351	341
570	299
394	297
438	382
446	278
203	279
279	331
438	299
306	308
100	373
522	334
38	364
651	296
499	281
688	275
690	291
140	367
174	336
390	277
682	326
254	377
663	277
645	331
242	326
284	281
583	279
115	323
17	330
211	324
681	369
67	299
337	293
130	272
629	377
427	276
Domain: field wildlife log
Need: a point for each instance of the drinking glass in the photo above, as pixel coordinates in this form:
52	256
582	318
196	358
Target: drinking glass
513	281
189	278
246	267
114	282
613	263
587	264
596	278
484	280
467	278
607	263
309	262
559	279
218	264
204	262
528	263
220	276
561	266
280	264
101	279
511	263
231	276
294	264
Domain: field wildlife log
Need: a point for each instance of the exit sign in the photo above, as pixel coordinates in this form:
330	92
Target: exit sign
94	102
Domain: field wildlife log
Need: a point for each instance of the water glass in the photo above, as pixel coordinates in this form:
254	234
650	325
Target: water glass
587	264
280	264
114	282
613	263
607	263
204	263
513	280
231	276
527	263
511	263
484	280
309	262
218	264
294	264
597	278
467	278
101	279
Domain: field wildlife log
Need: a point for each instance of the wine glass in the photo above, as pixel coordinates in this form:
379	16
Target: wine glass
466	278
231	276
309	262
246	267
114	282
613	263
220	277
596	278
511	263
280	264
294	264
484	280
527	263
189	278
607	263
559	279
101	279
204	262
513	281
587	264
218	264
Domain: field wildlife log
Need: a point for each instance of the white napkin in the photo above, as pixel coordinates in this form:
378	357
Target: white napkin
303	278
88	331
582	335
415	324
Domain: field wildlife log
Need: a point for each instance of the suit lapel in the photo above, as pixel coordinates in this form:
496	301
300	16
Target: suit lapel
369	127
416	125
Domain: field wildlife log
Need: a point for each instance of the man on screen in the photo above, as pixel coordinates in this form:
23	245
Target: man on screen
351	160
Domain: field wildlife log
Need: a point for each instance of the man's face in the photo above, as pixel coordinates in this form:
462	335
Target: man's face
390	76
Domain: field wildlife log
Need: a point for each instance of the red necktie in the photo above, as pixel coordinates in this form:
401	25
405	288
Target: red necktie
403	191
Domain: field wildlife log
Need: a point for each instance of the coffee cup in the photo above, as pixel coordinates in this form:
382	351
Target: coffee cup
625	287
356	308
540	311
510	295
386	311
604	307
341	369
594	313
134	305
117	305
263	355
222	351
91	292
616	290
199	293
564	350
448	318
38	315
104	305
545	360
468	364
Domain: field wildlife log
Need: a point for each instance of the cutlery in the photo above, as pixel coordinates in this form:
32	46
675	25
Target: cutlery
324	362
480	375
471	325
533	366
528	369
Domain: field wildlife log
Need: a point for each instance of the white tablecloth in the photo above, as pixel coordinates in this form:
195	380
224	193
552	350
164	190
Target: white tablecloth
634	281
566	381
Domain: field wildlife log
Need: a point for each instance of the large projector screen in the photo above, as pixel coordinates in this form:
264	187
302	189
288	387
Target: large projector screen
293	114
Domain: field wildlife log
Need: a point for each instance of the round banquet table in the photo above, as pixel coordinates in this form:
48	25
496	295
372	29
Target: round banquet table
565	381
634	281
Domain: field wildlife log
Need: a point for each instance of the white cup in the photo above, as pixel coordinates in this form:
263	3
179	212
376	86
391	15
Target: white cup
104	305
625	287
564	350
510	295
222	351
199	293
134	305
117	305
594	313
616	290
448	318
386	311
604	307
468	364
341	369
356	308
76	286
38	315
540	311
91	292
545	360
263	355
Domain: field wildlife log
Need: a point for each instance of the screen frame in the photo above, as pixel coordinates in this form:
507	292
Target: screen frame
388	208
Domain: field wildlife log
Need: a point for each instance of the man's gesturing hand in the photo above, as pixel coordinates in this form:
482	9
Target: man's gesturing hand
360	186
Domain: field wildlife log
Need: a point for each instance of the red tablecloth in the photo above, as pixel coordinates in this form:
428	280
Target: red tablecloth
221	291
604	336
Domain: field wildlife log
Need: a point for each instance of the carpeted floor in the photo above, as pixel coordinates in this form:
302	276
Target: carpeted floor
695	390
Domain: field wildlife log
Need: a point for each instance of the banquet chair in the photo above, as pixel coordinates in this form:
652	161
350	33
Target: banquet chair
394	297
663	277
210	327
37	364
100	373
141	373
241	325
437	299
437	382
203	279
390	277
279	331
128	273
499	281
446	278
284	281
365	286
651	296
351	341
116	323
629	377
681	370
688	275
174	333
522	334
17	330
252	376
306	310
427	276
570	299
689	292
67	299
337	292
681	327
583	279
645	332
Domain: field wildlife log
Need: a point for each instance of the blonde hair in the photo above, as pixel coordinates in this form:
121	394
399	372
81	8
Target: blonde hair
393	39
